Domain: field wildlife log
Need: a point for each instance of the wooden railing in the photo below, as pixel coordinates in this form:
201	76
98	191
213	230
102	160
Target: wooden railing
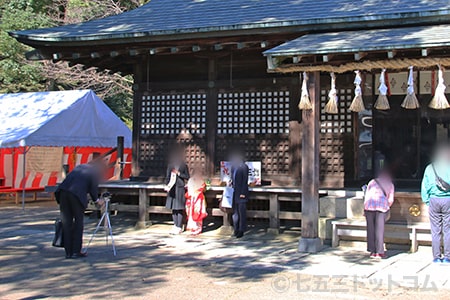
264	202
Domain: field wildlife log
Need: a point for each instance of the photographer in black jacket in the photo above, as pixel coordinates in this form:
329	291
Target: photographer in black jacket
72	198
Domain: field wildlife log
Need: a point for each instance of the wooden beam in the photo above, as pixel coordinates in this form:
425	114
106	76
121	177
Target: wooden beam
133	52
366	65
35	55
241	45
391	54
271	62
327	57
360	55
56	56
152	51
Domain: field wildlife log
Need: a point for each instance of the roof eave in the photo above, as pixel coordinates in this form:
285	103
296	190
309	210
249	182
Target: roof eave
346	23
354	50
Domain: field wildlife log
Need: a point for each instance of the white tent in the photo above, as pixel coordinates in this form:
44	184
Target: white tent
58	119
66	118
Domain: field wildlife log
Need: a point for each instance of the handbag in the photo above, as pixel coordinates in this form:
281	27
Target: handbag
387	216
441	183
58	239
227	197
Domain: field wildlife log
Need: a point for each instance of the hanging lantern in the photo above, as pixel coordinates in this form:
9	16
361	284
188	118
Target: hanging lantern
331	106
439	100
305	102
411	101
357	103
382	102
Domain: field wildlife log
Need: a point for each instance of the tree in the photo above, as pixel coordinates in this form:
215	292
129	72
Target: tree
18	75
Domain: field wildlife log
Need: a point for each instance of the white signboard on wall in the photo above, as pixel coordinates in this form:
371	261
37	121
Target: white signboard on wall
254	172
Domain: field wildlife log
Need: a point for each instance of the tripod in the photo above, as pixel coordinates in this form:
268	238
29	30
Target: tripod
107	225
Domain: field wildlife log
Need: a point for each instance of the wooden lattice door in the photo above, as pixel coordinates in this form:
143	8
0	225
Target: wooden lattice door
167	119
336	140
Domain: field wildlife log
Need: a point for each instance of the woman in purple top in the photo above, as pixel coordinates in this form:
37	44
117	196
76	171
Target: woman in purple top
378	199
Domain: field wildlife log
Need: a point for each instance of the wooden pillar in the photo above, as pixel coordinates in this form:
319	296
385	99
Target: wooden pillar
137	95
227	227
120	149
143	217
211	117
295	132
310	241
274	214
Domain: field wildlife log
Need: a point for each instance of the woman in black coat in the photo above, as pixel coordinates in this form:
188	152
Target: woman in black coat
176	200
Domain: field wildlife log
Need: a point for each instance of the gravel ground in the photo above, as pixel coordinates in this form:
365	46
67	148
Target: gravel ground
151	264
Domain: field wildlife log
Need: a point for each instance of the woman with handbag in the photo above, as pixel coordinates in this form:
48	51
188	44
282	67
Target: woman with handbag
177	175
378	199
195	202
436	194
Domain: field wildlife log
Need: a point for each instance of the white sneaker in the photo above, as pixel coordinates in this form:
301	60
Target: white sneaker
176	230
173	230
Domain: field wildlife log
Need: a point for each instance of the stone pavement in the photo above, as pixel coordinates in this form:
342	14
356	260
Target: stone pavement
151	264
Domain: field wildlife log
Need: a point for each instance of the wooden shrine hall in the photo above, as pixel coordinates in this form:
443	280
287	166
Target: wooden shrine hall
212	74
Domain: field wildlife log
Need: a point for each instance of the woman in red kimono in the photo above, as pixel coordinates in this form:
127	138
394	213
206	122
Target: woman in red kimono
195	203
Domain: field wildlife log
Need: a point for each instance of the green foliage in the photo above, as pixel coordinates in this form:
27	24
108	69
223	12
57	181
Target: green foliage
19	75
15	73
122	105
37	6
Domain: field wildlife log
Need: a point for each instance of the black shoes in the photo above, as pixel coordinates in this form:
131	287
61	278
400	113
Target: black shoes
239	234
77	255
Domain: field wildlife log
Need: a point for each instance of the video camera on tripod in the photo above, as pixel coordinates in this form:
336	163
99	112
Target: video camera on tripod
106	196
105	220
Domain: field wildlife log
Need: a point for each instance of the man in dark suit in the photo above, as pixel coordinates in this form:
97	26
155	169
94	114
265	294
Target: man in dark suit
239	172
72	198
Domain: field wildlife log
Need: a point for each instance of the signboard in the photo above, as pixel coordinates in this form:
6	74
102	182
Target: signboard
44	159
254	172
424	84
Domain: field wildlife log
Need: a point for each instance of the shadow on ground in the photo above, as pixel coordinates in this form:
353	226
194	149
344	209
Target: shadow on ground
152	262
30	265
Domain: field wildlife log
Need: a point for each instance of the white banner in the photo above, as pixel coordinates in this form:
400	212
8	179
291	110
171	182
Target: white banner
254	172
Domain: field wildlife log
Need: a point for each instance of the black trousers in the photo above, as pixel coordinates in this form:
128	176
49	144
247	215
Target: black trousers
72	217
177	217
375	231
240	216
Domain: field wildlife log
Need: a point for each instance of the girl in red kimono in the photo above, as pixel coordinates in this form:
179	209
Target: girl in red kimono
195	203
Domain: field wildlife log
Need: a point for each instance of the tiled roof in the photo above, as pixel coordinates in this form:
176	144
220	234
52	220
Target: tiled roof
181	17
366	40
